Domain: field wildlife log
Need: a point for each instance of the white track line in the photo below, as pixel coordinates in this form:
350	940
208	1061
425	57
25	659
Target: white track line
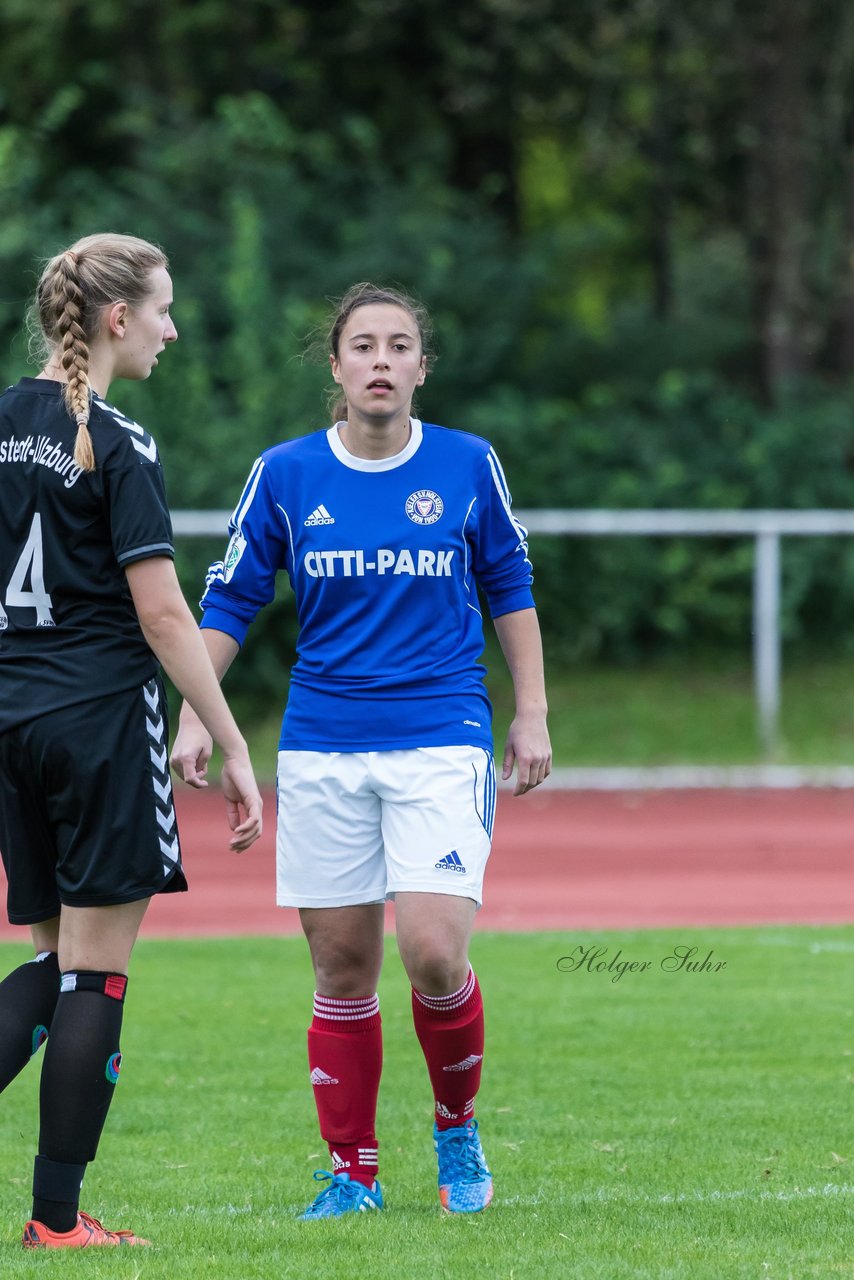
552	1196
699	777
830	1190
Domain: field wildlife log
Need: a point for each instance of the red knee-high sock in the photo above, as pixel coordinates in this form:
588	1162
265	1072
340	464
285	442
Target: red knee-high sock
450	1031
345	1056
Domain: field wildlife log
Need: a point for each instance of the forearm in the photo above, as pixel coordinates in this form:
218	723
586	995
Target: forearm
519	636
171	631
222	650
527	742
181	651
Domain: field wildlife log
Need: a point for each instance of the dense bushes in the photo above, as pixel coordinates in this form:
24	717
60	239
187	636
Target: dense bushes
590	400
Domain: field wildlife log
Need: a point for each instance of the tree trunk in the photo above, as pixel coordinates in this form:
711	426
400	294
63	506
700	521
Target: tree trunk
842	317
777	185
660	151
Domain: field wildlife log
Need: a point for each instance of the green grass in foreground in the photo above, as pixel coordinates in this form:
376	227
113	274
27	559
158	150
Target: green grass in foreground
664	1126
686	711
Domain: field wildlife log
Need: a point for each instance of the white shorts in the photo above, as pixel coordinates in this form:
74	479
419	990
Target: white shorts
358	827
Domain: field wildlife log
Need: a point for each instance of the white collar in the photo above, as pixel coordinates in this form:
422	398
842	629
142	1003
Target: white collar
375	464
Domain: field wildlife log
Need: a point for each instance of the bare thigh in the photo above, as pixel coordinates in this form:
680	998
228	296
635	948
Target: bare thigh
346	945
99	938
433	934
45	935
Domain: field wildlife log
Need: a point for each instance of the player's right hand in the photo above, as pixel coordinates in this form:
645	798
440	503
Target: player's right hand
191	751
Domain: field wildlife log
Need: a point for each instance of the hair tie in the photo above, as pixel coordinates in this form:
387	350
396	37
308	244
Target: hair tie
82	419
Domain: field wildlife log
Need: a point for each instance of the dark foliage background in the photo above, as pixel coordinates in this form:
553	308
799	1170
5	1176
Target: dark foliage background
632	220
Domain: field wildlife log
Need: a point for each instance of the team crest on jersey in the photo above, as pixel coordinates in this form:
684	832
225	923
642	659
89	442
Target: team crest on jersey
424	506
236	547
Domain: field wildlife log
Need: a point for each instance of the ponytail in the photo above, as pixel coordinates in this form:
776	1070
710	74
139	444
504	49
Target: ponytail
74	356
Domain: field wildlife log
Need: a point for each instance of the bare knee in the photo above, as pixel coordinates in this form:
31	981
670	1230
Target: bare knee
346	947
433	967
345	971
433	932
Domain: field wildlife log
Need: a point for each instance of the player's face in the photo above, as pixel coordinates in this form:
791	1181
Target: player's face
148	328
379	362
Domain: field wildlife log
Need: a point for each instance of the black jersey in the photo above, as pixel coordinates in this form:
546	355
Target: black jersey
68	627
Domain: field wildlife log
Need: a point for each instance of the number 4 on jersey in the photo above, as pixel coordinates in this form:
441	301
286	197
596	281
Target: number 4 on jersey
30	562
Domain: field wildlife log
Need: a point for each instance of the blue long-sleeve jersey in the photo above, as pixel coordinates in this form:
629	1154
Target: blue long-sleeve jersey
385	557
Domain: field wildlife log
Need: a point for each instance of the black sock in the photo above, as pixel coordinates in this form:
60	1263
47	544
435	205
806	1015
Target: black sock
79	1074
56	1193
28	998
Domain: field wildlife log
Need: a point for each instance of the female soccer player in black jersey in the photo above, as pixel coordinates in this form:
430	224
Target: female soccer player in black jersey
89	604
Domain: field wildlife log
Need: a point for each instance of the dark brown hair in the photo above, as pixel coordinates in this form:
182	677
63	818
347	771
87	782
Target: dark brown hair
365	294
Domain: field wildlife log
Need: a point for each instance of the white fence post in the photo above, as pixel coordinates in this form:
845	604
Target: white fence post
766	637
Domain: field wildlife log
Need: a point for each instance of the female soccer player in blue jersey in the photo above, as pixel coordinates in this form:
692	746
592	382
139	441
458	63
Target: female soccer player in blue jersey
89	602
386	527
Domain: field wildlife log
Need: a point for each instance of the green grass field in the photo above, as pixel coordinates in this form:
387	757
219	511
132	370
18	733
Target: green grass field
663	1126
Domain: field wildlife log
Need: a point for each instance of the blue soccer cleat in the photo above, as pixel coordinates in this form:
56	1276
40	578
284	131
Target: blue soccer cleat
465	1183
343	1195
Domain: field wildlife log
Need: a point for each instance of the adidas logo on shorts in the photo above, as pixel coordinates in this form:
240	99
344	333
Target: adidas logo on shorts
451	863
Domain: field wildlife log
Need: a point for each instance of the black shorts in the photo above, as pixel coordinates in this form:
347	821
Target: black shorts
86	811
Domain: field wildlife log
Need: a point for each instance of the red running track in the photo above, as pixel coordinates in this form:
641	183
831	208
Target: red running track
574	860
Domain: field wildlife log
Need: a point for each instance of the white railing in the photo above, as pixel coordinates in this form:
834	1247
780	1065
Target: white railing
765	527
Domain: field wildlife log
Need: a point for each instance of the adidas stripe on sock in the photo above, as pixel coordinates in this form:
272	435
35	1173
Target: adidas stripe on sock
450	1032
345	1063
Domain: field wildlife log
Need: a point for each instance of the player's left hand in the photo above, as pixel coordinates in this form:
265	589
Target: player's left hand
242	802
529	748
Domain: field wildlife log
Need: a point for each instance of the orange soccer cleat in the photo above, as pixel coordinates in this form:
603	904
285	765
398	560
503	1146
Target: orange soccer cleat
87	1233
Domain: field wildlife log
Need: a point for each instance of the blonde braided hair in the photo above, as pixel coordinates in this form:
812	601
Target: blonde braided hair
66	318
